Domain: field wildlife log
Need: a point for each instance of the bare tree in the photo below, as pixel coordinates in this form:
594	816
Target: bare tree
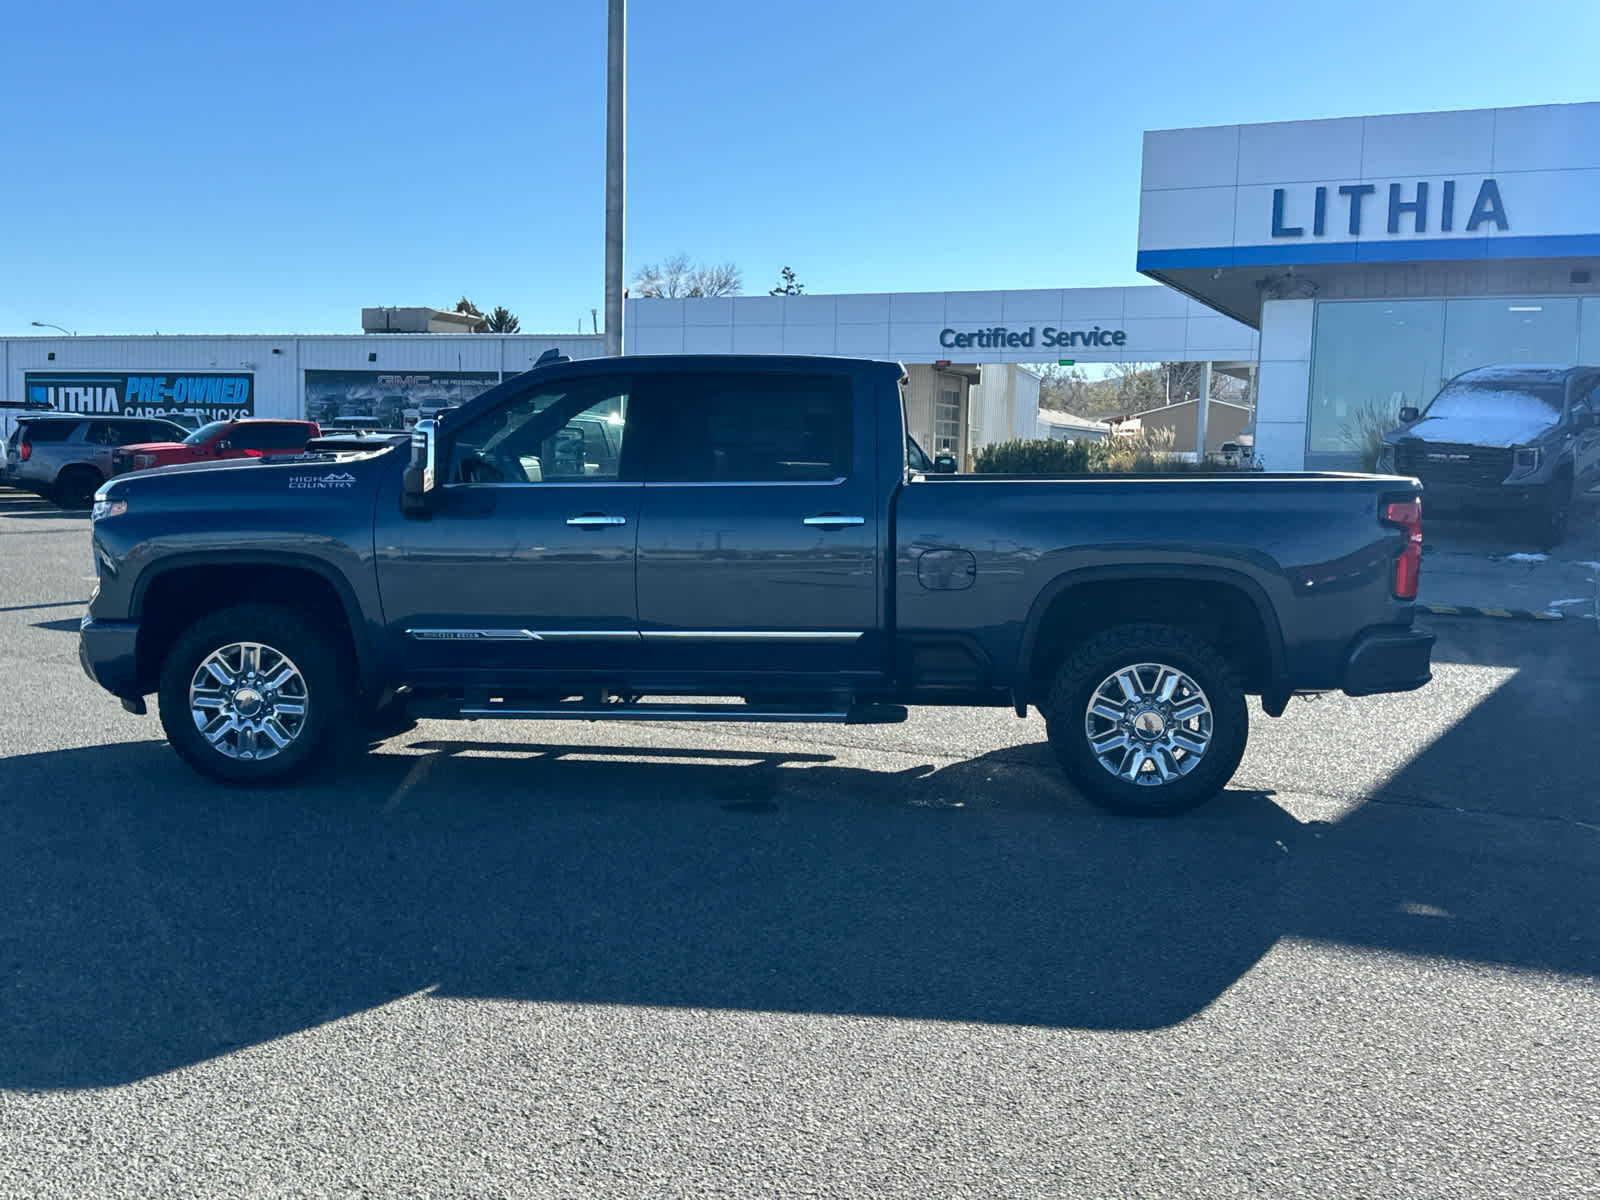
1138	387
648	283
677	277
1182	380
722	280
1064	389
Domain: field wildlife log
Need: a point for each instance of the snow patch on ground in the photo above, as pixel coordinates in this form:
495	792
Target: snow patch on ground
1530	558
1564	603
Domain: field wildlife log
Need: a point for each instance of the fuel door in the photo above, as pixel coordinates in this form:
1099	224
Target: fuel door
946	570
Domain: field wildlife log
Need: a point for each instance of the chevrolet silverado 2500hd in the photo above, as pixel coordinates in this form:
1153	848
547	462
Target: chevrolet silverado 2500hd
716	538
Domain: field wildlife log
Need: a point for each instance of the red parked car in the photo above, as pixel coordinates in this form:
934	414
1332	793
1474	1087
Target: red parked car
248	437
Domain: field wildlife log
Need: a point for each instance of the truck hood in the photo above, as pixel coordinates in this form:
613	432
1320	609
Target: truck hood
1516	428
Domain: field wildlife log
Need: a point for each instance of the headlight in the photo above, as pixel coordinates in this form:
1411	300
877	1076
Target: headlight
1527	458
107	508
141	461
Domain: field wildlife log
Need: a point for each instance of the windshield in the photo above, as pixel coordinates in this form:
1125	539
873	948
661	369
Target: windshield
205	433
1528	398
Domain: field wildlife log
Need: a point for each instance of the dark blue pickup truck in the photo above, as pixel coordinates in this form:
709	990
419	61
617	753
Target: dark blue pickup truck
738	538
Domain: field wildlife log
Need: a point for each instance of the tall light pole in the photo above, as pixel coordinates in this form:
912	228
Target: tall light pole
616	100
47	325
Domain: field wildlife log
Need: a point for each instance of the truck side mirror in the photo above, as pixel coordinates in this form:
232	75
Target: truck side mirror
944	464
1408	414
421	476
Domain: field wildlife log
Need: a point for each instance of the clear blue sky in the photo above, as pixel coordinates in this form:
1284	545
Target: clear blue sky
190	168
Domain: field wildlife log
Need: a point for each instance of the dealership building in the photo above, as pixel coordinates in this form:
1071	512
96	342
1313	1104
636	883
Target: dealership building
1344	267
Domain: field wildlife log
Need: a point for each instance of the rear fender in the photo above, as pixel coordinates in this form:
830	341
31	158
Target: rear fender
1275	695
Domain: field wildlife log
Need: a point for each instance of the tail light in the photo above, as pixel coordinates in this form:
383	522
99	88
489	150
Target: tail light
24	449
1408	567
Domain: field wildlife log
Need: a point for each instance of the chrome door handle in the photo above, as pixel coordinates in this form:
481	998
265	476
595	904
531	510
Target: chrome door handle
834	521
595	521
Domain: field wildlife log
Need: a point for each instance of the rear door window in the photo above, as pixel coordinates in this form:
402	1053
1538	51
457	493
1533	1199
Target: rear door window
270	436
287	436
739	427
121	433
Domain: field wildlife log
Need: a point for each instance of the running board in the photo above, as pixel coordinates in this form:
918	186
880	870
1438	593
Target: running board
855	714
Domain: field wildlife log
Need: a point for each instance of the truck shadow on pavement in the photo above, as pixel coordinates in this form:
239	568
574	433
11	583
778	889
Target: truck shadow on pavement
151	921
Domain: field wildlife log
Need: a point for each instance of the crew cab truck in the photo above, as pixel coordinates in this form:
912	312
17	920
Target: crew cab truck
1513	438
240	437
738	538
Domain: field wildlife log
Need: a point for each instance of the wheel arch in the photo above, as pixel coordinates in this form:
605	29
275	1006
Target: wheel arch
189	586
1080	603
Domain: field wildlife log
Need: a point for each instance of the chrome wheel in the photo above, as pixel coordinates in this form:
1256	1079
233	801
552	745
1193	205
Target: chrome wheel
1148	724
248	701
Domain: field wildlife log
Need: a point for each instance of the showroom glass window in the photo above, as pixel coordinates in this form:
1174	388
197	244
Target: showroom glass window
1478	333
1589	332
1370	358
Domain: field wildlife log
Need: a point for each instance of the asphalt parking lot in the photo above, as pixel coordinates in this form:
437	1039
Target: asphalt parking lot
571	960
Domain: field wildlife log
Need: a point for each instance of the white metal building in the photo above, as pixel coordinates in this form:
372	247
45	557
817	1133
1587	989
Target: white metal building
1380	256
962	350
382	375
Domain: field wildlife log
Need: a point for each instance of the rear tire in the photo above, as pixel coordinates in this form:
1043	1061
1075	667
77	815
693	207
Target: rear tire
76	486
257	695
1147	720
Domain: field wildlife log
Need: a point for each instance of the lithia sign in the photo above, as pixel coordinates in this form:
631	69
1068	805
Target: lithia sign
999	337
1414	209
208	395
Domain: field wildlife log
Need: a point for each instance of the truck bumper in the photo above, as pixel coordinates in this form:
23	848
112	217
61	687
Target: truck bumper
1503	500
107	651
1388	660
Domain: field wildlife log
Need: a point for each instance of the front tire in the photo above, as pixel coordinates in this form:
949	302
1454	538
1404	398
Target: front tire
256	695
1548	523
1147	720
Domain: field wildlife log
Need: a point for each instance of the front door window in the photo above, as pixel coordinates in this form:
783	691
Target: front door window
571	433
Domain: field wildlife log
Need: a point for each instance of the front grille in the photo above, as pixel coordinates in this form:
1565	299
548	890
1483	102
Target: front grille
1448	462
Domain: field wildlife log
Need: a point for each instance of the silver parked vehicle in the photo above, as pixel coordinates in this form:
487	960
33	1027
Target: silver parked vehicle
66	457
